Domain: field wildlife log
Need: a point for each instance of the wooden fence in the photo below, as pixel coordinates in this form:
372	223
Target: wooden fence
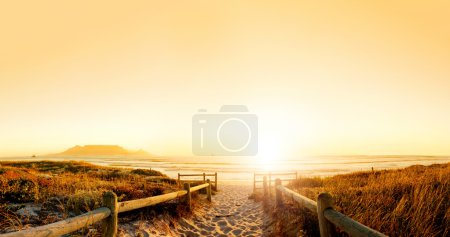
204	175
286	176
109	214
328	217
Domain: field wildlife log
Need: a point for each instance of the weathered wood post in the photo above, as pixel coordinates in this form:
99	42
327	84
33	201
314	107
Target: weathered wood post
265	186
278	196
215	188
187	199
204	181
325	201
208	190
179	184
270	184
110	223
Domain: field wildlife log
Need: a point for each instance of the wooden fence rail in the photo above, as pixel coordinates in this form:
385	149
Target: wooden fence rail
108	214
204	175
328	217
150	201
304	201
270	175
65	226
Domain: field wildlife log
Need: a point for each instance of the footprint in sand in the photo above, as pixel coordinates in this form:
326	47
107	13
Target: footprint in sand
226	229
237	232
222	223
230	214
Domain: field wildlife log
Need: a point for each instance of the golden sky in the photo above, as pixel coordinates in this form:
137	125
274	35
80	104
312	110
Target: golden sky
323	77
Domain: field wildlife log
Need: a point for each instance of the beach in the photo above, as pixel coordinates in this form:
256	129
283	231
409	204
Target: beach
231	213
44	192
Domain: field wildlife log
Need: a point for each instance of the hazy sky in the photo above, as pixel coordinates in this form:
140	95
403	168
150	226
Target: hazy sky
323	77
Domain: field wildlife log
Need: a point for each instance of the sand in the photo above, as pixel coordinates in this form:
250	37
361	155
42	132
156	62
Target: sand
231	213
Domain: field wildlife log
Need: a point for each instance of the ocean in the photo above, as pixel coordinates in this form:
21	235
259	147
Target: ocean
242	168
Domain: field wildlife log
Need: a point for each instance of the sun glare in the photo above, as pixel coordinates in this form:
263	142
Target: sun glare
269	154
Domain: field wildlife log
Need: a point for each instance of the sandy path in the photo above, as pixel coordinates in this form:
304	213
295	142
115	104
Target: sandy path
231	213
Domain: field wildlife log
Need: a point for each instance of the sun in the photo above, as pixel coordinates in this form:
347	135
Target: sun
269	154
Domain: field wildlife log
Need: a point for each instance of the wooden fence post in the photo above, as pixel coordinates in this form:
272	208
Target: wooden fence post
265	186
204	181
179	184
215	188
110	223
187	200
325	201
208	190
278	197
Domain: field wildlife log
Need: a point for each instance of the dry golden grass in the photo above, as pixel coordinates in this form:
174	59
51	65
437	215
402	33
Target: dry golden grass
64	189
407	202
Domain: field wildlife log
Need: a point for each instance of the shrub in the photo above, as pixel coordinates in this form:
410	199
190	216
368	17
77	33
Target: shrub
20	190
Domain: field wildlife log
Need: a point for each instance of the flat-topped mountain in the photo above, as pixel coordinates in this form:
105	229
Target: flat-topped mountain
101	150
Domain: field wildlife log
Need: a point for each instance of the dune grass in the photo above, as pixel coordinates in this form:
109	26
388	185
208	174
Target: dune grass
64	189
406	202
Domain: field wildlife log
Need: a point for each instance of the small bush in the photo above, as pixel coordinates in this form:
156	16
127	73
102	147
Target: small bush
20	190
84	202
146	172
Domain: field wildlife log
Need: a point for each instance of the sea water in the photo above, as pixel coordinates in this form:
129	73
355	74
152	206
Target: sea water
243	168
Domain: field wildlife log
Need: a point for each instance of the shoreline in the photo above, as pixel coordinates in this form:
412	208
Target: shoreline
234	172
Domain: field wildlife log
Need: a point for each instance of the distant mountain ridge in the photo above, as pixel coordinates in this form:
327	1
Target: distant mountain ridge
101	150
